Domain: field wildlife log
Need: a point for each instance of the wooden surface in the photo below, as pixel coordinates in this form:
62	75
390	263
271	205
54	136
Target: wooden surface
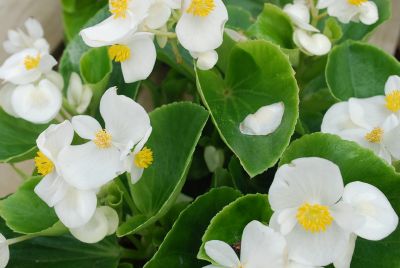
13	13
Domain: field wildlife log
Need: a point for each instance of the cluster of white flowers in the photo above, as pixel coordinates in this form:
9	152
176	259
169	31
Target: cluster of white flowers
129	32
315	223
372	122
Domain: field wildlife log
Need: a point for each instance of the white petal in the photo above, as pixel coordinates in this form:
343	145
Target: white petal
4	252
47	62
300	15
344	11
306	180
112	219
85	126
201	34
110	31
286	219
313	44
135	172
6	98
88	167
380	218
93	231
86	97
262	245
56	79
263	122
34	28
42	45
391	140
337	119
207	60
76	208
143	57
128	124
346	253
368	113
159	14
346	217
392	84
38	104
293	264
221	253
75	89
369	13
324	3
52	189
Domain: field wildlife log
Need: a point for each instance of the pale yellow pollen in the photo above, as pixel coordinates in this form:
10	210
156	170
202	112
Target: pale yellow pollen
31	62
144	158
357	2
103	139
201	8
119	53
314	218
393	101
375	136
43	164
119	8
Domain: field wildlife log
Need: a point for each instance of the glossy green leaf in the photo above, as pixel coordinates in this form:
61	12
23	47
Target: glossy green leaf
250	83
24	212
332	29
239	18
176	130
359	70
228	224
17	138
273	25
181	244
357	164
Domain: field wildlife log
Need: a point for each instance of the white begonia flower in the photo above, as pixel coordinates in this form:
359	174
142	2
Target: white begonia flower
73	207
200	28
305	197
351	10
263	122
6	92
260	245
26	66
312	43
33	38
4	252
205	60
124	21
159	13
299	13
103	223
93	164
137	55
78	95
346	253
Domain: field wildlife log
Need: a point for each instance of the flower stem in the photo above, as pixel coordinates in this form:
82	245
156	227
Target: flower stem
126	195
177	54
21	238
162	33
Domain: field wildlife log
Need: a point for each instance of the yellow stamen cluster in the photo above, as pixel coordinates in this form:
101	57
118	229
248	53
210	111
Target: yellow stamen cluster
357	2
119	53
43	164
103	139
201	8
375	136
119	8
144	158
314	218
31	62
393	101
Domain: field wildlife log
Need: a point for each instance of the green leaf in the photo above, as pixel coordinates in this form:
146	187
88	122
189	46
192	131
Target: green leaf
228	224
357	164
332	29
17	138
181	244
239	18
24	212
273	25
359	70
252	82
176	130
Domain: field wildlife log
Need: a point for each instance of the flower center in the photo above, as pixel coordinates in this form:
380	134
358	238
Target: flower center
43	164
375	136
119	53
393	101
31	62
102	139
201	8
119	8
144	158
314	218
357	2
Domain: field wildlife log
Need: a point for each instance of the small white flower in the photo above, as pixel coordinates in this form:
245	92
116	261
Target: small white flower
312	43
103	223
91	165
300	15
351	10
137	55
214	158
33	38
26	66
305	197
201	26
74	207
78	95
205	60
4	252
263	122
124	21
159	13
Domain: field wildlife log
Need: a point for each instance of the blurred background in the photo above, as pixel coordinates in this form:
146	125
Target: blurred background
14	13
